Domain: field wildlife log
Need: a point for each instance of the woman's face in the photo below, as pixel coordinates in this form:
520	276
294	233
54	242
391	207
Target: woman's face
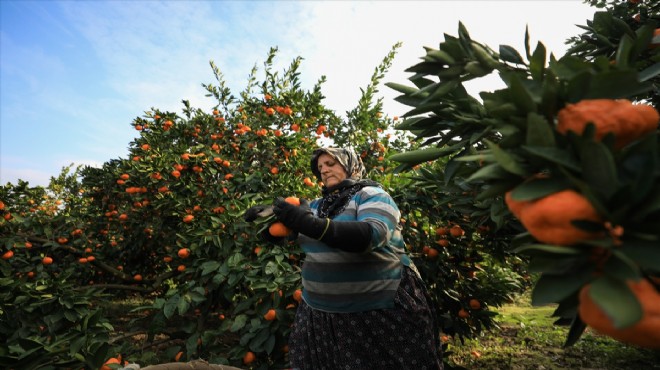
332	173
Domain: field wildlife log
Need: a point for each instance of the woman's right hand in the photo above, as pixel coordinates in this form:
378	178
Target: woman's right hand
257	211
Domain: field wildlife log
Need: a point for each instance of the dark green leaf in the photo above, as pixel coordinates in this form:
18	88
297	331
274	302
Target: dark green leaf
183	304
539	131
575	331
644	34
527	48
554	288
539	187
77	344
489	172
621	267
239	323
521	96
650	72
537	62
401	88
508	161
425	68
554	155
598	168
578	87
442	89
551	249
256	344
171	305
440	56
270	344
644	253
408	123
616	299
623	51
421	155
511	55
495	188
616	84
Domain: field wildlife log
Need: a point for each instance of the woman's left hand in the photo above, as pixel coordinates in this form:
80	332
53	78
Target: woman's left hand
290	215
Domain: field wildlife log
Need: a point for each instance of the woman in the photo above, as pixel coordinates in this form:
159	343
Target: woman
364	305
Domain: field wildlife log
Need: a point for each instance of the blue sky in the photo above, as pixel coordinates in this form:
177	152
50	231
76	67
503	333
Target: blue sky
74	74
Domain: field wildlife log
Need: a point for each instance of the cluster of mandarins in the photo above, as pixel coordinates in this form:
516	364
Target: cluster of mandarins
549	219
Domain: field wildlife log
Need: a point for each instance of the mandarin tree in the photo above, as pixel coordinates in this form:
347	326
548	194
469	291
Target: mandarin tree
595	186
165	223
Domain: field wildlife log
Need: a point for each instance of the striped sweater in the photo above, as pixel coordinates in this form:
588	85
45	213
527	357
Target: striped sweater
339	281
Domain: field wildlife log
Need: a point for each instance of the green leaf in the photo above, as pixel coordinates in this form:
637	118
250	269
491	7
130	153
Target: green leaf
511	55
270	344
408	123
427	68
575	332
521	96
271	268
616	84
543	262
401	88
623	51
621	266
256	344
171	305
209	267
239	323
76	345
616	299
650	72
508	161
489	172
554	155
578	87
100	355
440	56
527	48
450	72
598	168
539	187
71	315
441	89
495	188
643	36
551	249
537	62
644	253
554	288
539	131
421	155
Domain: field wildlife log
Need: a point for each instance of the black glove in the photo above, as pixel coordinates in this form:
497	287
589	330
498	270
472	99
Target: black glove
265	235
259	210
350	236
299	218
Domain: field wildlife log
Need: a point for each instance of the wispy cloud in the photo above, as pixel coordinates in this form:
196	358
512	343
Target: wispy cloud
85	70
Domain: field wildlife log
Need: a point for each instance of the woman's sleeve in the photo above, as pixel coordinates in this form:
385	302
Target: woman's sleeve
377	208
349	236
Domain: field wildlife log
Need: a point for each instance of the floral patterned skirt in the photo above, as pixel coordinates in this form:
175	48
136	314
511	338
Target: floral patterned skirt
404	337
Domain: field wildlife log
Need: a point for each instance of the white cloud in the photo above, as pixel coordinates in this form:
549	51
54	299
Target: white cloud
155	54
347	40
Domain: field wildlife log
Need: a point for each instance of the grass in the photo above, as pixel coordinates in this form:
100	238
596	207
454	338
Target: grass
529	340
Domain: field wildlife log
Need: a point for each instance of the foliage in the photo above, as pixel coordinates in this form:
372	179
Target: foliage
615	30
164	225
507	142
48	319
528	339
